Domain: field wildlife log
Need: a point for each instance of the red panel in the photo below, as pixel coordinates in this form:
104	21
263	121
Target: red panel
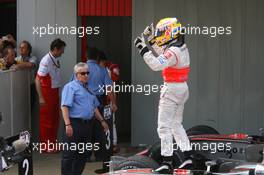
128	11
105	7
115	8
98	8
110	8
92	7
121	7
86	9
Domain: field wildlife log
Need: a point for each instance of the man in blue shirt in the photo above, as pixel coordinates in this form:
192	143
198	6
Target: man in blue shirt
78	105
99	76
100	83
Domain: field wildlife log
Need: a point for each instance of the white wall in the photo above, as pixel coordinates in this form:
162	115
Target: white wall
33	13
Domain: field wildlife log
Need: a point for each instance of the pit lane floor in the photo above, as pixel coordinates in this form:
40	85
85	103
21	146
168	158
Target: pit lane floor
50	164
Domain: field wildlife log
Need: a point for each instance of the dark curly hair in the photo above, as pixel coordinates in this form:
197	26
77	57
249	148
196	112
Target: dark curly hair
57	43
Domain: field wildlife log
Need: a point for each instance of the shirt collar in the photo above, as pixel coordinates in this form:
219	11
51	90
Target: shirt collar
77	81
51	55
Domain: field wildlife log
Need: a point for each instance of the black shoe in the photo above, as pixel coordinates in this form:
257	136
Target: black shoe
165	167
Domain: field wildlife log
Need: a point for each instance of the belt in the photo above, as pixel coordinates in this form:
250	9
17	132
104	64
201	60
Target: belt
87	121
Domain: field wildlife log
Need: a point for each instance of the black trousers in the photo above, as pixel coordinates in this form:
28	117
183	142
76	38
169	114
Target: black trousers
98	135
73	161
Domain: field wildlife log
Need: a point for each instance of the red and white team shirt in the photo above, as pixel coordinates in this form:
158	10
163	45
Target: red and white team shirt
49	68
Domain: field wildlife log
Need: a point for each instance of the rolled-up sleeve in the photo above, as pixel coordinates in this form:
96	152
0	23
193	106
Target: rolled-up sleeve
43	68
67	96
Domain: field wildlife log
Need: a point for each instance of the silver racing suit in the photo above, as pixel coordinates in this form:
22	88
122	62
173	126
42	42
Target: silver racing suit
174	63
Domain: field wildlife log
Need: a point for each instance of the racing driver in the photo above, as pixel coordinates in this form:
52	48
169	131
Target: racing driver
164	49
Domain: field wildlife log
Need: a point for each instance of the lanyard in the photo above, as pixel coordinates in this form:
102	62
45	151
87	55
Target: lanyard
87	89
58	63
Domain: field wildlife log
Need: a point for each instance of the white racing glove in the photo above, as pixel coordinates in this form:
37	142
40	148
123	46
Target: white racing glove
141	45
149	32
149	35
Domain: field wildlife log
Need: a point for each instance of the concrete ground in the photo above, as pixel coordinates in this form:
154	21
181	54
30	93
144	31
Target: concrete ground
50	164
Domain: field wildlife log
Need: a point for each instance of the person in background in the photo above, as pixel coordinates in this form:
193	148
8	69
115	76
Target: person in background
1	48
48	82
8	61
99	78
9	41
114	73
27	61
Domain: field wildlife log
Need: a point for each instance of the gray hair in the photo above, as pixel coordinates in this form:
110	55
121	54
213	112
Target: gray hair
79	66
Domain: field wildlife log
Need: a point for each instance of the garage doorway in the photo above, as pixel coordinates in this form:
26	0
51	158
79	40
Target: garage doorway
114	39
8	25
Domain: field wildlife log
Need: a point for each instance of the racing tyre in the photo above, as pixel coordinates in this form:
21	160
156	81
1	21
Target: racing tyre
201	130
137	161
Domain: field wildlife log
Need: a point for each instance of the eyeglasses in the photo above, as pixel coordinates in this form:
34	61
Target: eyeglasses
84	73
